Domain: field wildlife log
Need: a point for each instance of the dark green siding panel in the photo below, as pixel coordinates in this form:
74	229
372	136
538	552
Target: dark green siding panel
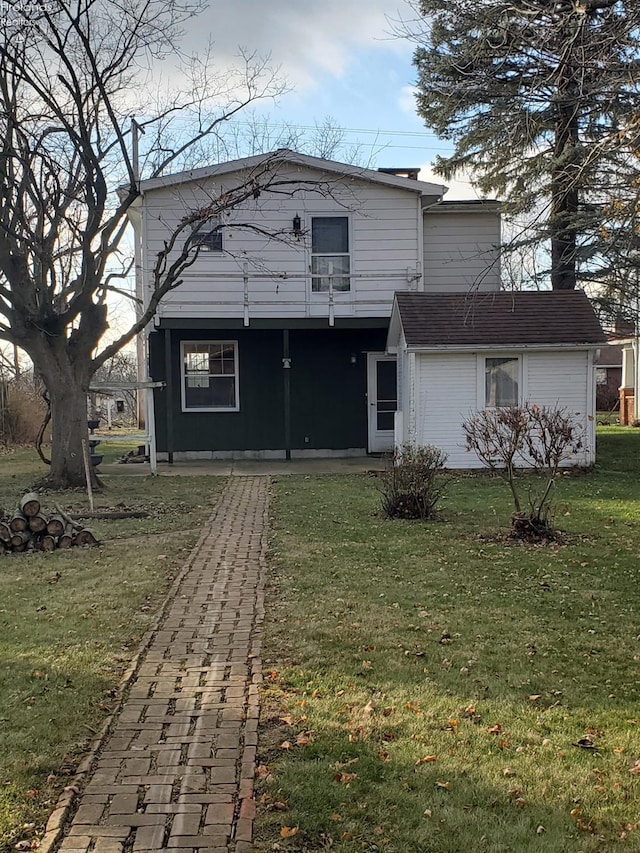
328	392
259	423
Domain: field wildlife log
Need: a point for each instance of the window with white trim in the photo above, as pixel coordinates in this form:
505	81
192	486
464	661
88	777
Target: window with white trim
330	258
210	376
501	381
209	236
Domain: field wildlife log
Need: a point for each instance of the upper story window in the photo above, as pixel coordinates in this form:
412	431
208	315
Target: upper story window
209	237
501	381
330	259
210	376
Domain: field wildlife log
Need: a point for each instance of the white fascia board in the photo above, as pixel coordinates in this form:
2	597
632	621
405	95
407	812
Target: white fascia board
293	158
395	329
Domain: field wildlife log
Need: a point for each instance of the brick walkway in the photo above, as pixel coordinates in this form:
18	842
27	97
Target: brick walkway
176	772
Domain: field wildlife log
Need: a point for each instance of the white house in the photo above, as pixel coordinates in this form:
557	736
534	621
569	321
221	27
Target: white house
274	345
461	353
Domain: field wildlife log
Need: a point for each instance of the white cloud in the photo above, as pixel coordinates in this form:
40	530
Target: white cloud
460	189
303	38
407	100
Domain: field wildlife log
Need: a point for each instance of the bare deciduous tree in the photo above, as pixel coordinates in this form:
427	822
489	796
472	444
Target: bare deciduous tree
71	74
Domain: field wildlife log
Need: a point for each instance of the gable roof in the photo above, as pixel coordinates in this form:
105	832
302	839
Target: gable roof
522	319
284	156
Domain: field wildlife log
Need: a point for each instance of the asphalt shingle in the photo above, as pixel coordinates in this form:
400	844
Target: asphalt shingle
499	319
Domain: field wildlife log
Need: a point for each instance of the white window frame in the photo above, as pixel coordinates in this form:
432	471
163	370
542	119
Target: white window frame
337	214
204	233
482	372
183	377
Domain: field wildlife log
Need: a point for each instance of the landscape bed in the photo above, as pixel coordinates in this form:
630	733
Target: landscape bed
432	687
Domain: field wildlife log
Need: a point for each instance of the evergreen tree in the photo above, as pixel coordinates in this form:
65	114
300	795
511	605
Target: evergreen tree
541	99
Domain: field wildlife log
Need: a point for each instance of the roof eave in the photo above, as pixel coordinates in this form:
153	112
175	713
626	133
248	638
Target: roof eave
422	188
419	348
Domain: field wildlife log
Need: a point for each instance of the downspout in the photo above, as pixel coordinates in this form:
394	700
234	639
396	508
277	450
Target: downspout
286	379
168	374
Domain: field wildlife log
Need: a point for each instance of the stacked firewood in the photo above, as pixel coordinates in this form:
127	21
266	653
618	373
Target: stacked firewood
32	529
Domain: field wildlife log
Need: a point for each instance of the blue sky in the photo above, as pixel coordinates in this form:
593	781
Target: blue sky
342	60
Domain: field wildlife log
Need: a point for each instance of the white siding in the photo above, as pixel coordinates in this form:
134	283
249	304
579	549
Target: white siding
446	389
450	386
461	251
384	249
562	379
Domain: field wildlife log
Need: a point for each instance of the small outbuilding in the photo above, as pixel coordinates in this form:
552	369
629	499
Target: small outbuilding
457	354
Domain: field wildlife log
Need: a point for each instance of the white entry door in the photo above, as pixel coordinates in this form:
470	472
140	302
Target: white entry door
382	400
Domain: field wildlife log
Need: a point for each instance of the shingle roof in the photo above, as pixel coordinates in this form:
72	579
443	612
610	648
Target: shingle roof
504	319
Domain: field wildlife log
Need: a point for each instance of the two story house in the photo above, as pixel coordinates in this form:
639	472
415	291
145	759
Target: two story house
275	343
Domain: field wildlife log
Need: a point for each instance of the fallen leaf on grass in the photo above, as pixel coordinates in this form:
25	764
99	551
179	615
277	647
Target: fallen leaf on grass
635	770
427	759
508	771
447	786
369	708
286	744
534	697
335	817
288	720
344	778
288	831
495	730
585	743
304	739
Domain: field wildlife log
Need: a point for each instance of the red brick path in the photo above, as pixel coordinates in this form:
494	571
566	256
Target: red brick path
176	772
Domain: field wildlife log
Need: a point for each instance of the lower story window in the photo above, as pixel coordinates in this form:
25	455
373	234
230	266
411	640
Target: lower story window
210	376
501	381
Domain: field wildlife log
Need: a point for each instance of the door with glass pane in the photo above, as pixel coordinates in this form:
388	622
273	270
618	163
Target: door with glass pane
382	400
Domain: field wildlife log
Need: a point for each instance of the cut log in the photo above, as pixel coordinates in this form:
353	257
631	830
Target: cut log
37	523
5	532
30	504
47	543
65	540
18	523
85	537
55	525
19	540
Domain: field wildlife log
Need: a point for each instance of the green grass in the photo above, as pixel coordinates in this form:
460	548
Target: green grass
71	620
394	642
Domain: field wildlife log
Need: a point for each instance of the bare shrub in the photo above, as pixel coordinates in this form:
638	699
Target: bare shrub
22	411
412	486
510	439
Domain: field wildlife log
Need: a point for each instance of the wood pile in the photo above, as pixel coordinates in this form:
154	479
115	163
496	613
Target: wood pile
29	528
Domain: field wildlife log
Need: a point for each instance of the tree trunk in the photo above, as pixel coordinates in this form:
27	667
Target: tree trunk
62	358
67	384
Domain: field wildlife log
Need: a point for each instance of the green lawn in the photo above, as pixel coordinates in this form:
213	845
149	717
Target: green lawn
71	620
432	688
